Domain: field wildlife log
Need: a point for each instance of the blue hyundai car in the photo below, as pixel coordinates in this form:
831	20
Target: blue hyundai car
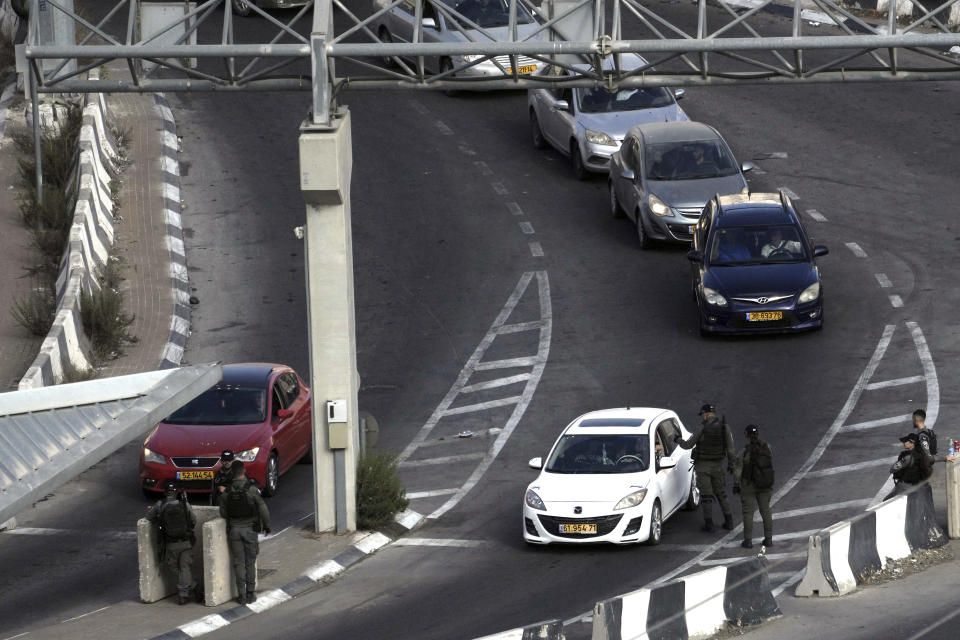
754	267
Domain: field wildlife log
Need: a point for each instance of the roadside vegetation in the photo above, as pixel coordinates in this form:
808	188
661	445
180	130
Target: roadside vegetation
380	496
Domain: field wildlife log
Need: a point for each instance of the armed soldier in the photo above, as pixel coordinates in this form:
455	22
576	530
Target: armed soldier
222	478
175	520
753	480
246	515
711	443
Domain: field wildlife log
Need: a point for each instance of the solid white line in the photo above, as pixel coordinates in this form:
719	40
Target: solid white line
482	406
527	361
770	556
536	250
896	382
43	531
790	194
514	208
493	384
499	188
812	460
776	575
792	580
84	615
896	301
846	468
929	372
444	129
688	548
793	535
847	504
441	460
482	166
522	326
883	280
857	251
438	542
816	215
19	635
526	227
882	422
416	495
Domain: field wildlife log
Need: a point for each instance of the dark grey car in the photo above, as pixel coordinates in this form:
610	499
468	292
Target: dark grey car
664	174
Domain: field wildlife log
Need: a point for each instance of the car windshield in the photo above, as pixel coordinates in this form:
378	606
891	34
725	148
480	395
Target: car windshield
757	245
600	453
223	404
692	160
602	101
489	13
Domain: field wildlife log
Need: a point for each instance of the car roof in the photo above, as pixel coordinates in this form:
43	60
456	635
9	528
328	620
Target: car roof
621	420
249	373
628	62
754	208
677	131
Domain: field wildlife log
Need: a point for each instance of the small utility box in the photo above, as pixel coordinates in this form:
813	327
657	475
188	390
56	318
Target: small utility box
337	424
157	16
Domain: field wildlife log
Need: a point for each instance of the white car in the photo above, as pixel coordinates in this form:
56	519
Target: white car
604	482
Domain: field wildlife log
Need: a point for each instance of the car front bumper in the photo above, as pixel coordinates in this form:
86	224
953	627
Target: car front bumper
154	475
543	527
674	227
733	319
596	157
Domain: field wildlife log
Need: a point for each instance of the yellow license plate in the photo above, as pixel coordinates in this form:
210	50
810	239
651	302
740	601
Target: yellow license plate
527	68
580	527
194	475
760	316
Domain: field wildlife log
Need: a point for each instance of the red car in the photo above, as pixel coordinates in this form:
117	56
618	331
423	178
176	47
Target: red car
261	412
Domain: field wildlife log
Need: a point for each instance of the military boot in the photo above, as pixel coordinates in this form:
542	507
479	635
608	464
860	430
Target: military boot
707	526
728	521
242	597
251	597
183	599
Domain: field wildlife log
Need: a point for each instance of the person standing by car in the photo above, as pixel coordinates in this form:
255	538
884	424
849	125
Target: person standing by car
246	515
911	467
753	480
222	478
175	521
711	443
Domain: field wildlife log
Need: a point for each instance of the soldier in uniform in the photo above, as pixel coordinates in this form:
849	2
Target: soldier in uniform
911	467
246	515
222	478
176	520
711	443
753	480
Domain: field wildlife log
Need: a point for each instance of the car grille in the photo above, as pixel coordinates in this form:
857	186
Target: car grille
690	212
605	524
771	299
201	463
522	61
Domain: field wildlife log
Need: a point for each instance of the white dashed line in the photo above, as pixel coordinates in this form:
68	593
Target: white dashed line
790	194
857	251
883	280
466	150
415	495
775	155
499	188
536	250
443	128
816	215
517	327
848	504
897	382
528	361
437	542
514	208
482	167
526	227
882	422
483	406
896	301
846	468
442	460
493	384
419	108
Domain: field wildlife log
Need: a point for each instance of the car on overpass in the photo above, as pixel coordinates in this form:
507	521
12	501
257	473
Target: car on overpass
754	268
261	412
664	174
589	124
242	7
613	475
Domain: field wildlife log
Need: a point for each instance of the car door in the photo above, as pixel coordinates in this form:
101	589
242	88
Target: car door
628	186
298	401
673	481
283	432
638	196
560	126
399	21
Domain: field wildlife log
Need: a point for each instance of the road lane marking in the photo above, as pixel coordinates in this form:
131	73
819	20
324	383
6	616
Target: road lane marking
883	280
441	460
857	251
416	495
466	150
492	431
482	406
816	215
793	535
499	188
527	361
482	167
896	301
536	250
897	382
443	128
522	326
790	194
789	582
770	556
44	531
514	208
526	227
438	542
846	468
493	384
84	615
835	506
420	108
882	422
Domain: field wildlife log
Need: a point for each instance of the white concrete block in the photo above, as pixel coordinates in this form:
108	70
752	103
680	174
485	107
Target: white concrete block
218	577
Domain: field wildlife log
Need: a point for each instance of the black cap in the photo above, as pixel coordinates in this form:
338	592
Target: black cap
706	408
910	437
227	455
170	486
751	430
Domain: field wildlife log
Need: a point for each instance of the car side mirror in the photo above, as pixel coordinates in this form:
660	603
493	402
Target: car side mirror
694	256
561	105
283	414
666	462
820	250
429	23
747	166
679	93
536	463
628	174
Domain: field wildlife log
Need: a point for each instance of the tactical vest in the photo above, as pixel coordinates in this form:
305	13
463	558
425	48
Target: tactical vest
239	504
711	445
174	523
916	472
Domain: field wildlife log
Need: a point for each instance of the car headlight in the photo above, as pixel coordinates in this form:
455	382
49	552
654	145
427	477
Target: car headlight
471	57
598	137
631	500
533	501
713	297
810	294
657	206
153	456
247	456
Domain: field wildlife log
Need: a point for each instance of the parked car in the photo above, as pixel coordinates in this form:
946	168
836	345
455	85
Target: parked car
603	480
589	124
242	7
261	412
754	268
492	16
666	172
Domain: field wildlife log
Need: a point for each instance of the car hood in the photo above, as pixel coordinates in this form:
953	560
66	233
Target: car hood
577	487
202	440
761	279
687	194
616	123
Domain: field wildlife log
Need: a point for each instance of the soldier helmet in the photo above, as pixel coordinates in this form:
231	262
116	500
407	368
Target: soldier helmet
170	486
707	408
227	455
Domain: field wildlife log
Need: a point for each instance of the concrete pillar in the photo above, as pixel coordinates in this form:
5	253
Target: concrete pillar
155	583
325	169
953	499
57	29
219	584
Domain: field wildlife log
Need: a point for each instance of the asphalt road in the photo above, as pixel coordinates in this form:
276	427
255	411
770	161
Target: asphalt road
437	254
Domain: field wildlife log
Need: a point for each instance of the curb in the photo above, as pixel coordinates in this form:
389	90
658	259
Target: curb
546	630
840	557
697	605
311	579
179	279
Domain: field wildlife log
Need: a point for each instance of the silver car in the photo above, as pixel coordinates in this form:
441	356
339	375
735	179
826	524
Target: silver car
666	172
588	124
492	16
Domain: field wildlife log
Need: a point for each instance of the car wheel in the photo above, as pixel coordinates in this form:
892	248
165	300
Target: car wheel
693	499
642	236
579	171
615	207
536	132
385	38
656	525
241	8
447	65
273	476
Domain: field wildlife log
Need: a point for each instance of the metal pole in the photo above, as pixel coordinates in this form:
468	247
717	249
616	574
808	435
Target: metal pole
37	151
340	475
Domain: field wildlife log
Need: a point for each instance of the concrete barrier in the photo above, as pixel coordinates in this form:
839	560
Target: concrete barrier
156	584
842	556
694	606
219	585
953	500
547	630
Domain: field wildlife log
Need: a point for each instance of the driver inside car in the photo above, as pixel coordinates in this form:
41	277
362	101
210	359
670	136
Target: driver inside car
776	244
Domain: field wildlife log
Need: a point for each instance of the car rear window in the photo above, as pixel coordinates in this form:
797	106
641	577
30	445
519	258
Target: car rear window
600	453
223	404
632	99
